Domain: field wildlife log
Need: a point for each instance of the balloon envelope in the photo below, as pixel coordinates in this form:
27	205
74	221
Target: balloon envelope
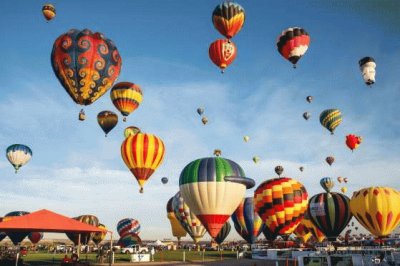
129	239
293	43
223	233
126	97
330	119
49	11
107	120
86	237
98	237
177	229
128	225
35	237
222	53
16	237
367	67
18	155
228	18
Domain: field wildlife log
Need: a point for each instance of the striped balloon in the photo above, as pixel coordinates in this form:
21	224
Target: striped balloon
143	154
98	237
177	230
327	183
330	119
187	218
18	155
281	204
247	222
303	233
293	44
107	120
16	237
377	209
330	212
228	18
126	97
311	228
223	233
129	239
213	188
86	237
128	225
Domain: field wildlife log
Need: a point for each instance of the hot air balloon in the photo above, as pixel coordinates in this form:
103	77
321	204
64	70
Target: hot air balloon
345	179
86	237
217	152
204	120
98	237
340	179
330	160
222	53
327	183
330	213
35	237
228	18
256	159
246	138
18	155
367	67
293	44
279	170
128	225
142	153
132	130
82	115
213	188
177	230
377	209
330	119
129	239
302	232
86	64
281	204
16	237
309	99
306	115
223	233
126	97
107	121
343	189
247	222
164	180
200	110
301	168
316	233
49	11
2	234
187	218
353	141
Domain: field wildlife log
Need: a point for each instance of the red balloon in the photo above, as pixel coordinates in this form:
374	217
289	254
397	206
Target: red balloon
353	141
222	53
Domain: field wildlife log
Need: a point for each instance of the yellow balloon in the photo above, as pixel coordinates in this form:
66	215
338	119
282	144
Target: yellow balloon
376	208
344	189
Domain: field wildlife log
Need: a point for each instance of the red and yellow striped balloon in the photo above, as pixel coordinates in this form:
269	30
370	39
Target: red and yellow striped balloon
126	97
143	154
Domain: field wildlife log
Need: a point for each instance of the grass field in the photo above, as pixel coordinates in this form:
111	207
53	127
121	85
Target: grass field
192	256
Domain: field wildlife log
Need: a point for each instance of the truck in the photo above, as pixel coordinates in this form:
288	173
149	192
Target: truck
131	249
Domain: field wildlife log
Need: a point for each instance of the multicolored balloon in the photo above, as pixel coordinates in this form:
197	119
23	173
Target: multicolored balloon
126	97
49	11
142	153
85	237
177	230
129	239
353	141
247	222
293	43
35	237
303	233
187	218
18	155
98	237
204	120
223	233
327	183
330	160
367	67
222	53
128	226
132	130
316	233
330	119
377	209
107	120
86	64
281	204
330	213
213	188
16	237
228	18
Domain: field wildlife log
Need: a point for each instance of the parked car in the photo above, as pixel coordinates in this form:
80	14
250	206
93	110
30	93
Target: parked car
134	249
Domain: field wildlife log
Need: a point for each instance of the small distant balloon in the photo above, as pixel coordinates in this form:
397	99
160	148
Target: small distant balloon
49	11
340	179
309	99
107	121
204	120
301	168
132	130
367	67
164	180
82	115
330	160
246	138
200	110
343	189
345	179
330	119
256	159
353	141
217	152
327	183
279	170
306	115
18	155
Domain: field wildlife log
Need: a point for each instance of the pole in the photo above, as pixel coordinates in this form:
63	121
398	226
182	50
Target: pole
184	256
79	245
17	257
111	258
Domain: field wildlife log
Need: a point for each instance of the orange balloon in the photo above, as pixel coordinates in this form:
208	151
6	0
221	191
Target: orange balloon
222	53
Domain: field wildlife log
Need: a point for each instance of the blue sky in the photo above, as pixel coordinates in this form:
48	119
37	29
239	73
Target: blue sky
164	49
